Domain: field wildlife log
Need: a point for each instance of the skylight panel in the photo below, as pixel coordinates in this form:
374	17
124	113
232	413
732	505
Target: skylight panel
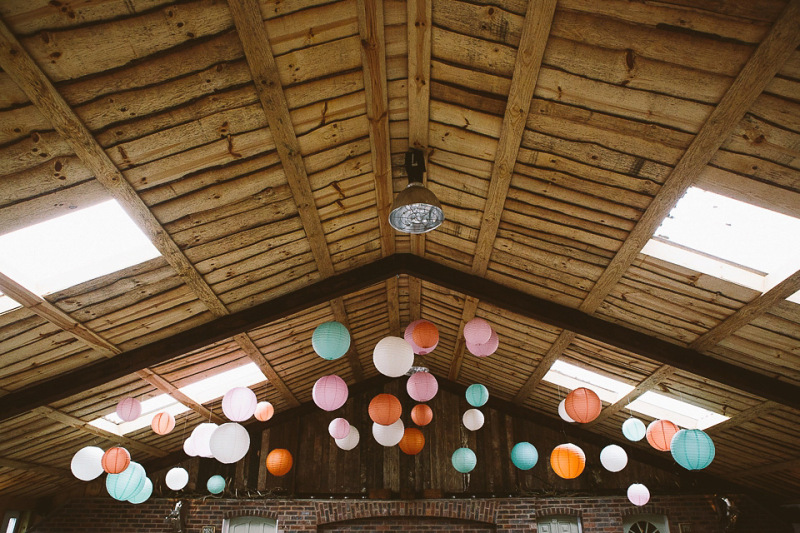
7	304
572	377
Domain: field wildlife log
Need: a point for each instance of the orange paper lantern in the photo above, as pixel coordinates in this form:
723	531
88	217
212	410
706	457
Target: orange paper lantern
567	461
264	411
385	409
412	442
115	460
421	414
583	405
279	462
425	334
660	433
163	423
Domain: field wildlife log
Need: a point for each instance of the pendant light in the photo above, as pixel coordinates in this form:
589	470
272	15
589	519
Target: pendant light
416	209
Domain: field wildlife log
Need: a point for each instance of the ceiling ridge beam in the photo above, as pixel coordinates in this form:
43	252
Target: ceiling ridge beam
16	464
255	354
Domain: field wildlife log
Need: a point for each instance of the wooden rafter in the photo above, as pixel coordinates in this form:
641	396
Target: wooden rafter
252	351
166	387
5	462
743	417
789	464
467	314
661	373
554	352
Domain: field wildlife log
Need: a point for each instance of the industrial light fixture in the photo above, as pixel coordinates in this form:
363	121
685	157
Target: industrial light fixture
416	209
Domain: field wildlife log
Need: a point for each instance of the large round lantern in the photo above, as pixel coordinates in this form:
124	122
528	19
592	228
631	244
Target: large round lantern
279	462
567	461
330	340
338	428
425	335
412	442
350	441
127	483
393	356
472	419
613	458
464	460
421	414
562	412
638	494
477	395
201	437
177	478
660	433
693	449
163	423
144	493
524	455
385	409
486	349
329	392
115	460
634	429
477	331
87	463
129	409
264	411
408	336
229	443
239	404
215	484
583	405
422	386
388	435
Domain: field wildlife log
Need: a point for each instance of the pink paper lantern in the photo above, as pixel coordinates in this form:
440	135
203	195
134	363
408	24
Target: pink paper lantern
477	331
486	349
329	392
239	404
422	386
408	335
129	409
339	428
638	494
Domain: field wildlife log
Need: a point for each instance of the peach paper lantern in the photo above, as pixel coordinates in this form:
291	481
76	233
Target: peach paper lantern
477	331
279	462
422	386
264	411
129	409
163	423
583	405
421	414
425	335
116	460
660	433
385	409
412	442
408	336
567	461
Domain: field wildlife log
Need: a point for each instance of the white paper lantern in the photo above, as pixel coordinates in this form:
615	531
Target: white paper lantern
350	441
613	458
177	478
638	494
86	464
388	435
229	443
239	404
189	447
339	428
562	412
393	356
473	419
129	409
201	437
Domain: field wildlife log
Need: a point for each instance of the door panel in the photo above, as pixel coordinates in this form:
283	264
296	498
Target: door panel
250	524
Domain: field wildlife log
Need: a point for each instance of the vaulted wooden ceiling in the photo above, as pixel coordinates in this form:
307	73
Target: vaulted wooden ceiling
259	145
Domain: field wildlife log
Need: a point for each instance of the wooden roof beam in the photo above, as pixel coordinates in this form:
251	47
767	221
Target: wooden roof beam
248	346
467	314
166	387
15	464
554	352
744	417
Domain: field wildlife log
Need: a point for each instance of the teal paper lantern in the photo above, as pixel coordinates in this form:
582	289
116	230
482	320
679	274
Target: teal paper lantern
524	455
464	460
634	429
127	483
215	484
477	395
331	340
693	449
146	492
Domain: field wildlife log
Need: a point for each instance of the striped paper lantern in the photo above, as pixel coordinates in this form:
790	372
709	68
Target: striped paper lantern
583	405
385	409
567	461
329	392
331	340
693	449
163	423
660	433
116	460
129	409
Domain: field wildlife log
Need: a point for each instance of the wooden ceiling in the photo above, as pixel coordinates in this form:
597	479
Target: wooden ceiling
259	145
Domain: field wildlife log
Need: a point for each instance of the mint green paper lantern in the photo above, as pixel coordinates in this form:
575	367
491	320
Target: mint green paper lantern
331	340
464	460
144	494
127	483
693	449
477	395
634	429
215	484
524	455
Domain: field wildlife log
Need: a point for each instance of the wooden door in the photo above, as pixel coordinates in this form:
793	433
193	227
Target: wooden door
249	524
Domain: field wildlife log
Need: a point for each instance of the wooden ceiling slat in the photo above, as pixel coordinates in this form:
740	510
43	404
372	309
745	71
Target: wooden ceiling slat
645	385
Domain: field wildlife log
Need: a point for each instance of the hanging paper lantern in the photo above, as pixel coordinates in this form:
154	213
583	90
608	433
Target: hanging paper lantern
464	460
583	405
115	460
189	447
144	494
425	334
408	335
330	340
163	423
350	441
385	409
638	494
477	395
215	484
633	429
329	392
177	478
87	463
567	461
129	409
660	433
239	404
562	412
477	331
393	356
524	455
486	349
127	483
421	414
388	435
279	462
339	428
264	411
613	458
693	449
201	437
422	386
412	442
229	443
473	419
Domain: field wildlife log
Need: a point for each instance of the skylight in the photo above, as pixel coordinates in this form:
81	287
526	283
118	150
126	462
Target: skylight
6	303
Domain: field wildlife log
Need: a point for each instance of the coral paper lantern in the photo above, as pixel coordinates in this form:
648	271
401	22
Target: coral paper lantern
477	331
393	356
583	405
660	433
115	460
338	428
127	483
613	458
350	441
177	478
330	340
425	335
329	392
562	412
408	335
239	404
638	494
567	461
129	409
464	460
486	349
412	442
693	449
634	429
144	493
163	423
477	395
201	437
472	419
215	484
388	435
422	386
385	409
264	411
87	463
524	455
229	443
279	462
421	414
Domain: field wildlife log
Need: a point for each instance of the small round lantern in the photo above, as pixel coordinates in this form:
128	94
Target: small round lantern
425	335
562	412
385	409
279	462
583	405
634	429
472	419
330	340
524	455
329	392
693	449
408	335
350	441
388	435
567	461
127	483
412	442
201	438
144	494
477	395
163	423
464	460
87	463
638	494
116	460
422	386
393	356
215	484
338	428
229	443
486	349
189	447
177	478
421	414
660	433
129	409
239	404
264	411
477	331
613	458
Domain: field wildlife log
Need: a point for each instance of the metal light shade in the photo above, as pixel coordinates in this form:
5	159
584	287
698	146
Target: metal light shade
416	209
